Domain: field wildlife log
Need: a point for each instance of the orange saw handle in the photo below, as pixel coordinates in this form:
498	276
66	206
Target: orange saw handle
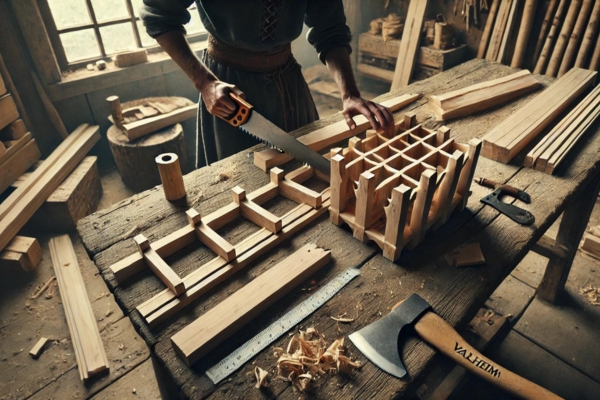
241	113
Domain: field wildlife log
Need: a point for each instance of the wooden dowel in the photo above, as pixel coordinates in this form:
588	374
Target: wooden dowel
562	41
540	65
572	46
524	32
487	32
546	24
588	37
170	176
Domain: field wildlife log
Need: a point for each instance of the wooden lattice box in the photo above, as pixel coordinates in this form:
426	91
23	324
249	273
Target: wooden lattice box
392	188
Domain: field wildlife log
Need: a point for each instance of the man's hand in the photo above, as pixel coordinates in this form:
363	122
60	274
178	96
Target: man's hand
215	94
379	116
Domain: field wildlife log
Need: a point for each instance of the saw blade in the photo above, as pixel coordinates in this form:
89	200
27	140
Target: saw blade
267	132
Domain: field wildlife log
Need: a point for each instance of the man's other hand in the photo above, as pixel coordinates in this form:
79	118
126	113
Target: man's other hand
379	116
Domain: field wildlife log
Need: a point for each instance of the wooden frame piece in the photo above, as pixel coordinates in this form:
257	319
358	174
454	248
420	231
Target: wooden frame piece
209	237
36	350
160	268
255	213
137	129
219	323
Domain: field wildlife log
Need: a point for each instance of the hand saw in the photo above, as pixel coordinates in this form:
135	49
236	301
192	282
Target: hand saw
250	121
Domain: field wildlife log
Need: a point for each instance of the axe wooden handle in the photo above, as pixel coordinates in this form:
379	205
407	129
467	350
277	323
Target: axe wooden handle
440	334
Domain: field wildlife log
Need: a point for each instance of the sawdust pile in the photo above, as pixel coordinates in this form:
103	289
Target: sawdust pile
592	293
307	356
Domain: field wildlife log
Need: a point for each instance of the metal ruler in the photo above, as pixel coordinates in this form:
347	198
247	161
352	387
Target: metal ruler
253	346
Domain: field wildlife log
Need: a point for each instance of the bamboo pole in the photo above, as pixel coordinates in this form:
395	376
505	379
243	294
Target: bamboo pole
573	45
524	32
562	41
595	62
487	32
545	28
588	37
540	66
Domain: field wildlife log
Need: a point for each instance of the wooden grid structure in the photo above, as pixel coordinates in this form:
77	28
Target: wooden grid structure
182	291
392	188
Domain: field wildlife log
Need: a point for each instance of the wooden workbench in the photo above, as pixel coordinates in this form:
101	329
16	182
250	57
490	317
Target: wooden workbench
455	294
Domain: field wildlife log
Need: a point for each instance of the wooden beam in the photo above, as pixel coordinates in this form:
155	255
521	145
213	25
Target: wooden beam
254	212
29	198
216	325
22	251
85	336
329	135
160	268
209	237
137	129
409	45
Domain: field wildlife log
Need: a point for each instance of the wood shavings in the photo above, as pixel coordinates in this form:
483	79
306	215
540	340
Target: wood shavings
307	357
261	377
50	292
342	318
42	289
592	293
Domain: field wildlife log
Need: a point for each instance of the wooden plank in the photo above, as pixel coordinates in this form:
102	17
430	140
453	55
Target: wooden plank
16	165
36	350
27	203
487	32
524	32
498	32
22	251
508	33
209	237
508	138
14	131
137	129
409	44
588	37
591	244
8	110
576	36
562	41
89	350
33	29
160	268
222	321
483	95
254	212
546	53
329	135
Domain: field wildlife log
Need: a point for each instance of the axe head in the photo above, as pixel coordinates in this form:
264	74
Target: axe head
379	341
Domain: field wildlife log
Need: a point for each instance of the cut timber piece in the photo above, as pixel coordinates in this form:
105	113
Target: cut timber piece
39	346
329	135
22	251
169	170
8	110
20	206
509	137
209	237
410	43
295	191
14	131
160	268
508	36
487	32
483	95
467	255
130	58
255	213
215	326
591	245
498	32
16	165
137	129
89	350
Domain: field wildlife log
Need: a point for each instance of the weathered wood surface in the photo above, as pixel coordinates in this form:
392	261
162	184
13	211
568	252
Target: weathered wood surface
456	294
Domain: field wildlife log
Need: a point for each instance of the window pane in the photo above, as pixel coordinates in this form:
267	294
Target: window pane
107	10
117	38
147	41
195	25
80	45
137	5
68	13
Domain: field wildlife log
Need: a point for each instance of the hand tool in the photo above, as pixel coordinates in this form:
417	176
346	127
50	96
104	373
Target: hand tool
515	213
252	347
379	343
250	121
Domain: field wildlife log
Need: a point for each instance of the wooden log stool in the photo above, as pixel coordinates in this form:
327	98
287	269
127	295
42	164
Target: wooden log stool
136	160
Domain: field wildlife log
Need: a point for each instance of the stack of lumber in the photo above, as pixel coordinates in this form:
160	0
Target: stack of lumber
24	252
20	206
76	197
548	154
18	151
89	350
483	95
215	326
509	137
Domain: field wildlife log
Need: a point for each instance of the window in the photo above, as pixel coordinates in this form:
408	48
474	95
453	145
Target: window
83	31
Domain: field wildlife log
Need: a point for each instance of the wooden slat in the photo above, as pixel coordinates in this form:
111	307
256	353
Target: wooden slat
498	32
508	34
89	350
22	251
409	44
483	95
329	135
509	137
137	129
222	321
8	110
27	203
16	165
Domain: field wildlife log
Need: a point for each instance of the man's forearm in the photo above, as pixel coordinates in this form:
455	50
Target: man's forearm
176	46
338	63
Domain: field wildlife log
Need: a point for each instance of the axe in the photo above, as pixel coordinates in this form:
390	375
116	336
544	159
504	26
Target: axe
379	343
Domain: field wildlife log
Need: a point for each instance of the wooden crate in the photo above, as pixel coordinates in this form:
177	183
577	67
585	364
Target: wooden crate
377	59
425	174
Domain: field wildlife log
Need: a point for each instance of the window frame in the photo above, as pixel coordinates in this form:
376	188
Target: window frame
59	51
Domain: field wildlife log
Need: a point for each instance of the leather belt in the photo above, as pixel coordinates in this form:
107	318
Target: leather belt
253	61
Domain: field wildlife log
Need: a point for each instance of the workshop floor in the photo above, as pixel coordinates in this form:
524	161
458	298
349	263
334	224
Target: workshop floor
556	346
